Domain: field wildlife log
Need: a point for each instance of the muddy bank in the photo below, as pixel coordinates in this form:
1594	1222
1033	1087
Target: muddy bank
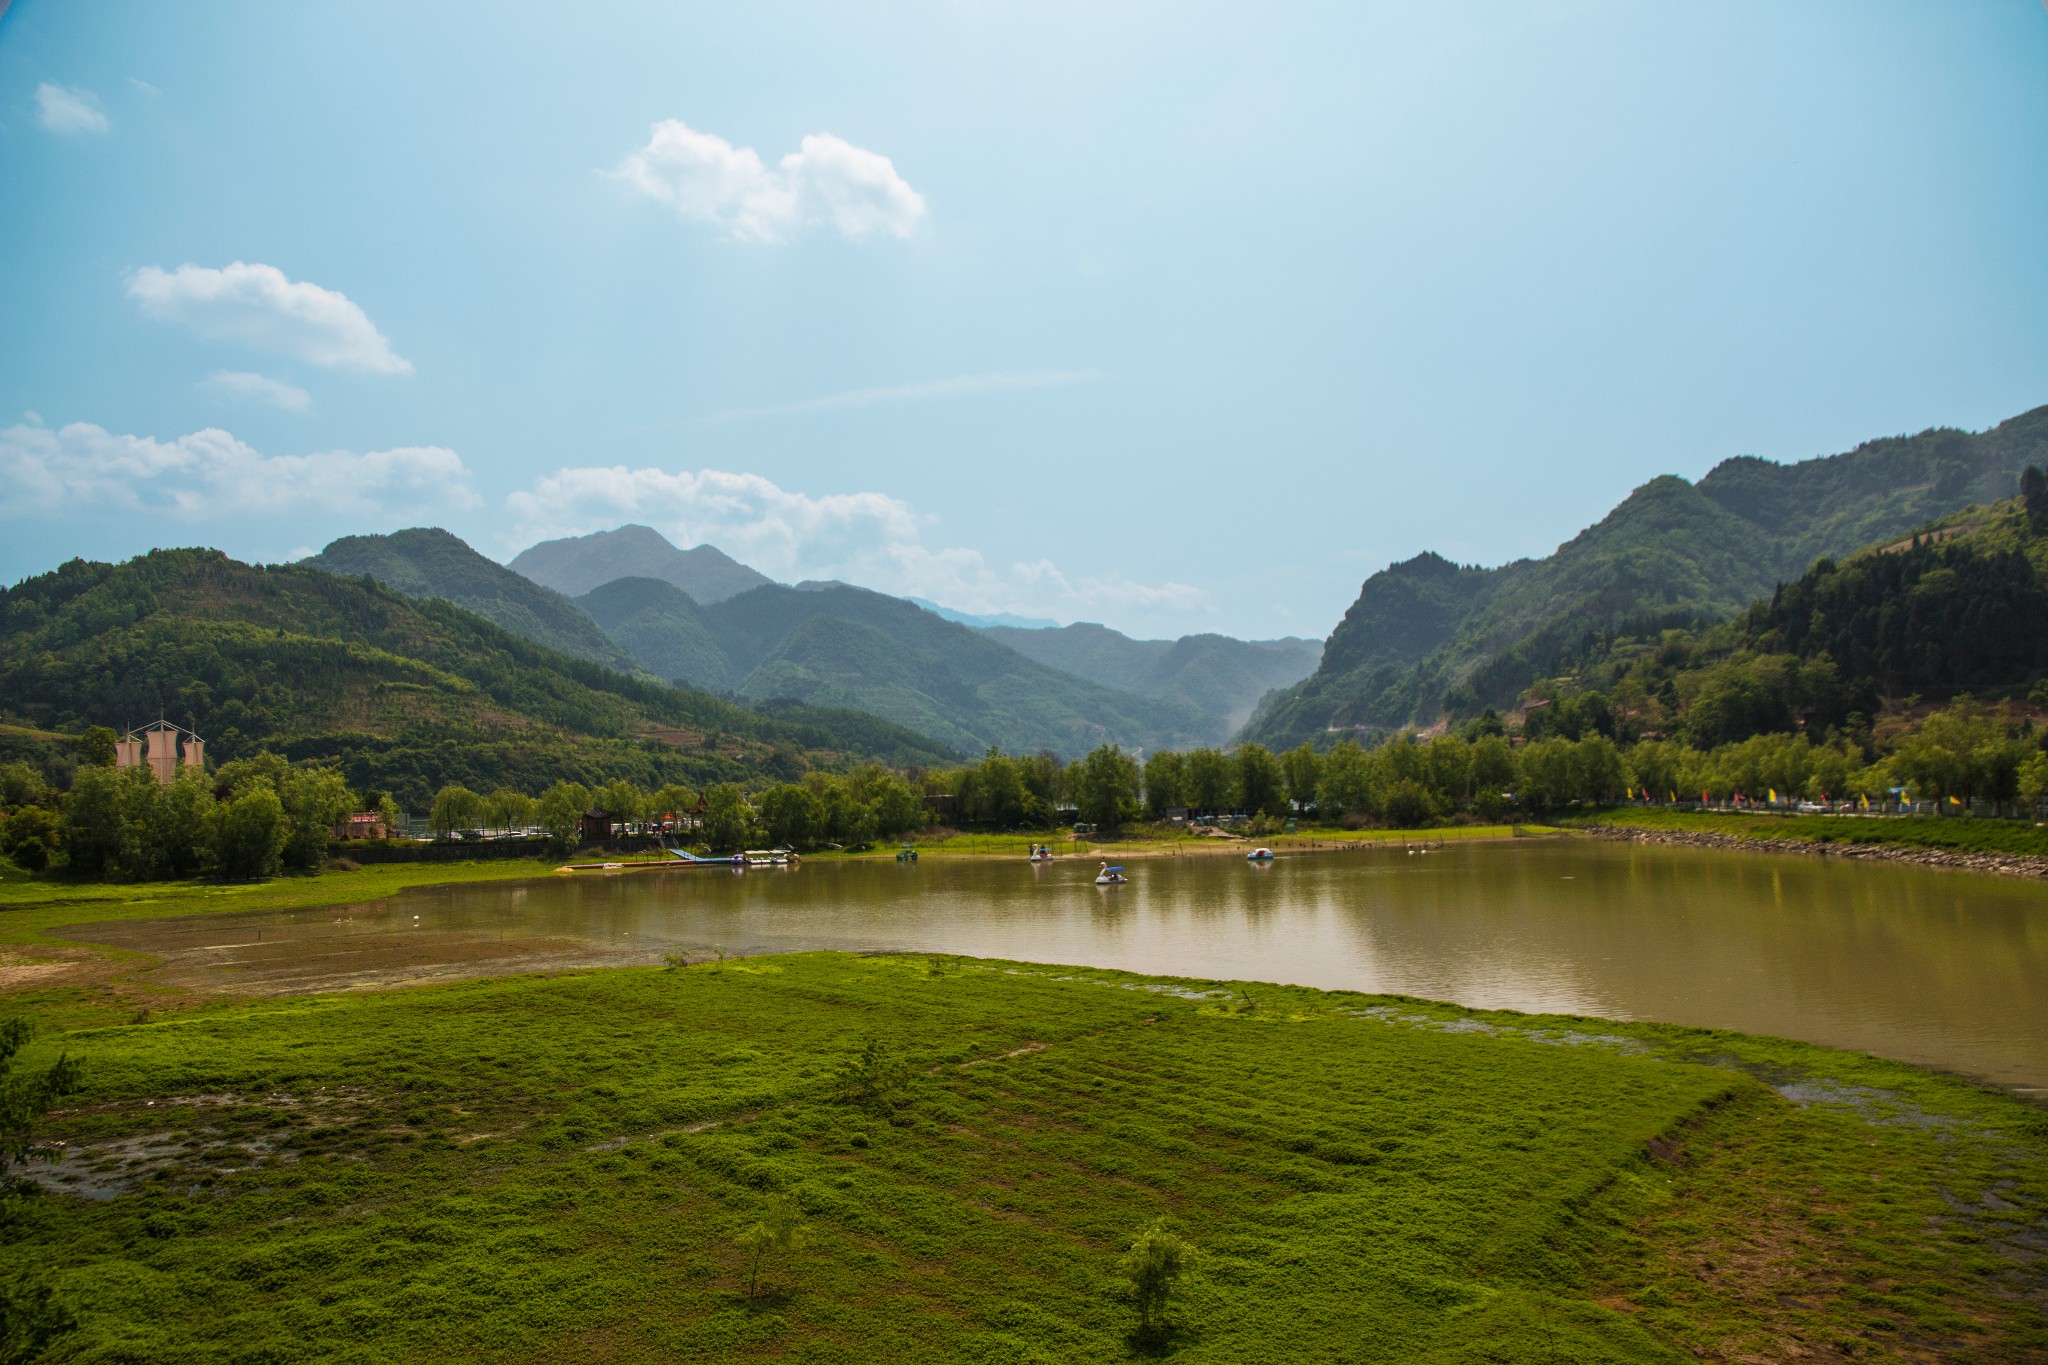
2002	864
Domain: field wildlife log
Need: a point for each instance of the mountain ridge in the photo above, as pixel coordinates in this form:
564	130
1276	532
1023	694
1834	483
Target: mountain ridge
1420	643
426	561
576	565
1219	675
888	656
403	693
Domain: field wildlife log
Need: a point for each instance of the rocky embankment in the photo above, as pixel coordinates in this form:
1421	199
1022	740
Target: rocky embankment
2005	864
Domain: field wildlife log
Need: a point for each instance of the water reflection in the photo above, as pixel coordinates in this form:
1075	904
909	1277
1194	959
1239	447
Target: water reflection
1929	966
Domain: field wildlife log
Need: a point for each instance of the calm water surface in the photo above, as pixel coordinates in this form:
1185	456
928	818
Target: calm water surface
1927	966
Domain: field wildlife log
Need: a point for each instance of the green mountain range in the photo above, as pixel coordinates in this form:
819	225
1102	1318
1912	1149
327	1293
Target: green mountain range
578	564
1427	638
405	693
429	562
1958	608
829	644
819	644
1215	674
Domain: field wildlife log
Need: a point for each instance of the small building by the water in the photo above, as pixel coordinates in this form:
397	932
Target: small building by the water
364	824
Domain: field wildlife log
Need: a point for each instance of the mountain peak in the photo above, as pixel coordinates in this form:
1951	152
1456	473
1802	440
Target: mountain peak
426	561
575	565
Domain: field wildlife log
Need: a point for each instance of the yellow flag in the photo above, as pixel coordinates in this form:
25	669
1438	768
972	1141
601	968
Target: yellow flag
1774	795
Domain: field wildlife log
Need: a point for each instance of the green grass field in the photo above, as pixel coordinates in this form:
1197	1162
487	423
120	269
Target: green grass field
555	1169
1955	835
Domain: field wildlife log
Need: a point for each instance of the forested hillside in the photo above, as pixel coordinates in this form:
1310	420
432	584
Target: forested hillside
834	645
1959	608
429	562
405	694
1215	674
1425	638
664	628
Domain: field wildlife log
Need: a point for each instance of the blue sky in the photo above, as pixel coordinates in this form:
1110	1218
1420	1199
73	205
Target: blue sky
1174	316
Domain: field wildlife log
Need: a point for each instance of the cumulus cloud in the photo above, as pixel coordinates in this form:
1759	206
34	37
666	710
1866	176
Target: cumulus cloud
871	539
259	388
62	110
257	305
826	182
209	474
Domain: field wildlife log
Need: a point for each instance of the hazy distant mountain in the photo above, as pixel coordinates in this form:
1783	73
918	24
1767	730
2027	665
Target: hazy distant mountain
1215	674
1001	618
1426	637
580	563
429	562
831	645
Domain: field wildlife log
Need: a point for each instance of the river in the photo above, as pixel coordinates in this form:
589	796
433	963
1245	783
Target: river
1938	967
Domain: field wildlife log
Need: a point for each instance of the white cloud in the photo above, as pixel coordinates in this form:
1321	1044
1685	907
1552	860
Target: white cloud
260	388
871	539
960	386
144	86
826	182
257	305
209	474
62	110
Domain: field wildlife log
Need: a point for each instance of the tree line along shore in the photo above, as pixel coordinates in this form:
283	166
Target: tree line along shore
254	817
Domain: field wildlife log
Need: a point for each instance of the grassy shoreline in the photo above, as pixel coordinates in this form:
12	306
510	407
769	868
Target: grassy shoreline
556	1168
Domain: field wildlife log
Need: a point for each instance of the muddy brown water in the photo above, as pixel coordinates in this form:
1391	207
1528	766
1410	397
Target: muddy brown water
1944	968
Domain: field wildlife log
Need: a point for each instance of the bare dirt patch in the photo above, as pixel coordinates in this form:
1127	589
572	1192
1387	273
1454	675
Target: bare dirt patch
224	954
18	971
114	1166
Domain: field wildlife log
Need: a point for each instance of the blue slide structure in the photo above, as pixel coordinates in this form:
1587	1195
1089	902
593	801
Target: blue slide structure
690	857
